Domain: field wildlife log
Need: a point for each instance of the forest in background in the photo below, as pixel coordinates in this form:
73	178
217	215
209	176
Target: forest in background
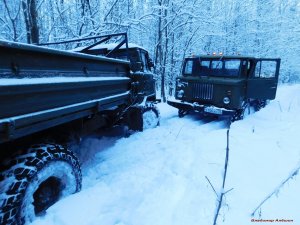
169	29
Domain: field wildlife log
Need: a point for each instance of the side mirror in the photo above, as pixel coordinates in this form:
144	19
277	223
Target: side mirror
136	66
150	63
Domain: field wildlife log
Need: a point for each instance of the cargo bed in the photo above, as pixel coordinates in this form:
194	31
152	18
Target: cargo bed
41	87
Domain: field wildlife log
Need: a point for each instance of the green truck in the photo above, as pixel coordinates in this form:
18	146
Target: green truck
50	98
222	85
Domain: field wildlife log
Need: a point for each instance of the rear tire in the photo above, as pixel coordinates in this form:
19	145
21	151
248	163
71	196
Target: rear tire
34	181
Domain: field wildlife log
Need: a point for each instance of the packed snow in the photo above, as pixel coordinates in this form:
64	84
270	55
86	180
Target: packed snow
162	176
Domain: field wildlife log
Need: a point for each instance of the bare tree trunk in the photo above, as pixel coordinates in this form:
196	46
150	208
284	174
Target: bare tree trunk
172	63
13	19
159	53
31	20
164	55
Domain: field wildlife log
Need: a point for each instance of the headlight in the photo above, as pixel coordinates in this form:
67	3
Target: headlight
180	94
226	100
181	84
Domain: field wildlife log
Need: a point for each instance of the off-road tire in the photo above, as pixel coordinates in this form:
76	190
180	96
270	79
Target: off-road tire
259	104
154	110
33	181
135	118
182	113
240	113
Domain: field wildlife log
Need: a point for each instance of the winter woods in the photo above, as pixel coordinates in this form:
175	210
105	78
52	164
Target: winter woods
169	29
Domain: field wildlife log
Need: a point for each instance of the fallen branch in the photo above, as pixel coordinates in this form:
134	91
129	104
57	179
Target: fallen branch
291	176
228	191
223	184
212	186
179	131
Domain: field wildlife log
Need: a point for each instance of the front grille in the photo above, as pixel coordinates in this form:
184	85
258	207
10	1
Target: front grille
202	91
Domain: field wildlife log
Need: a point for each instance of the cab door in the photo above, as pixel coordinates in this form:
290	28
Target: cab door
143	75
263	80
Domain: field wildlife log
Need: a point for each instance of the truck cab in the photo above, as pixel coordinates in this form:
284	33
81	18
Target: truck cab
225	85
141	66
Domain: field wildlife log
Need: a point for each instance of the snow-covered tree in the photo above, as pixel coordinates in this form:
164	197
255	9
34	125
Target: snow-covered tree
169	29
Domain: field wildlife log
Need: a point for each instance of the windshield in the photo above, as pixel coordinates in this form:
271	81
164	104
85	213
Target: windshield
212	67
188	69
221	67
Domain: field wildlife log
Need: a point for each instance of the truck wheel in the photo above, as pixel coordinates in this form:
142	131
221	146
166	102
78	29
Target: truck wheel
238	115
182	113
139	118
259	104
32	182
150	117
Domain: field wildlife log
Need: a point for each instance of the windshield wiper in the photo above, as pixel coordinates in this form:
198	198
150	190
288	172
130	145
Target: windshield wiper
220	60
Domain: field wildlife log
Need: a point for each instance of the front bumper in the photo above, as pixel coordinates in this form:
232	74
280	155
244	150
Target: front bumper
205	109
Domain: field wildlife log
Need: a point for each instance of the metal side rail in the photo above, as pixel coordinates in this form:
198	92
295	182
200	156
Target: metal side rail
19	126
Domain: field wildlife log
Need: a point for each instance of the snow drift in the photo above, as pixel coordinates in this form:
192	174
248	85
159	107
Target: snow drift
159	176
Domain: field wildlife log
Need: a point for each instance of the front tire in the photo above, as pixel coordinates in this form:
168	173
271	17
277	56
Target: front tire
151	118
259	104
182	113
34	181
139	118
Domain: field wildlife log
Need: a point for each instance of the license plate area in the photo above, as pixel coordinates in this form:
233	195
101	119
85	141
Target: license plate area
213	110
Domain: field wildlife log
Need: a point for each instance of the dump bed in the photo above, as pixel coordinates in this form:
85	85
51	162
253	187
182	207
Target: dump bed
42	87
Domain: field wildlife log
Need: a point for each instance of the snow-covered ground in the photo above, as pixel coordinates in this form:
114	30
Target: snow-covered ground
160	176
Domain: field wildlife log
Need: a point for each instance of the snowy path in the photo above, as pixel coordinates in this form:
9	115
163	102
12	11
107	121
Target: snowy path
158	176
153	177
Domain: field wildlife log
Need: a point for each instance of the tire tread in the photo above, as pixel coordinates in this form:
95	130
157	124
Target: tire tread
23	168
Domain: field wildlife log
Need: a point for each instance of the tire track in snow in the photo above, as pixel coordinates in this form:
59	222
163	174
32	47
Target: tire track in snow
176	182
153	177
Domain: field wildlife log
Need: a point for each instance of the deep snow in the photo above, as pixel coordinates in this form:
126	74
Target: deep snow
158	176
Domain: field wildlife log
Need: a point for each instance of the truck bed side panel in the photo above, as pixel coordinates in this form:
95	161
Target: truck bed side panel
24	61
22	99
41	87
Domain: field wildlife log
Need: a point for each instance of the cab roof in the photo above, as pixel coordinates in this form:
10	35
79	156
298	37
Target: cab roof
218	57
